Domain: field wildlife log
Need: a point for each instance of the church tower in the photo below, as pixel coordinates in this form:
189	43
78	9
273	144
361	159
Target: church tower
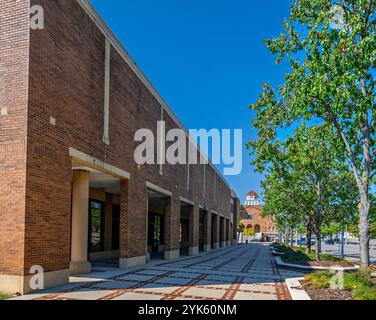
252	199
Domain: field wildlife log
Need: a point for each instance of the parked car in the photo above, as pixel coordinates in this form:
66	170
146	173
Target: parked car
330	242
303	242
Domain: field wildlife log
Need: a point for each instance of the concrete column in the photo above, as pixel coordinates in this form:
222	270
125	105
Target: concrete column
80	223
194	229
215	231
223	232
172	229
133	224
207	231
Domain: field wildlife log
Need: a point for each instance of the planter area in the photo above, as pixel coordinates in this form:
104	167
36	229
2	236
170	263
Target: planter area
357	285
295	257
325	283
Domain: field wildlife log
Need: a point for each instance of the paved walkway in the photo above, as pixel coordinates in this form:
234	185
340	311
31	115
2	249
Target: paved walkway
244	272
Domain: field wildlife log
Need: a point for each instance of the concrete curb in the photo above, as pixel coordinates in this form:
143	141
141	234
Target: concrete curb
298	266
277	253
296	290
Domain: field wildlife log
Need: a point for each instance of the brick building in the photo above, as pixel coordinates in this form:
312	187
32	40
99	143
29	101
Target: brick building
71	100
251	215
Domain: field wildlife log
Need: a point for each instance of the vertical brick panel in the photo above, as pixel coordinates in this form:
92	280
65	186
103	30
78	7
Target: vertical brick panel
14	63
194	226
172	225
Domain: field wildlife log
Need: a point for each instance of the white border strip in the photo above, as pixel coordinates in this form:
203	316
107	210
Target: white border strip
296	290
91	162
182	199
160	190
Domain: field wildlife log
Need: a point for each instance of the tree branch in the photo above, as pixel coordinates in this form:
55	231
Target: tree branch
368	13
347	145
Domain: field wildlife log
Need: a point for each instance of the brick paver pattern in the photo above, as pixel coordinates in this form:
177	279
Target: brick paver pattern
244	272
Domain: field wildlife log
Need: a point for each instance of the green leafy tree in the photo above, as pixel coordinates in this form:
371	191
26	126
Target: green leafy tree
331	49
305	182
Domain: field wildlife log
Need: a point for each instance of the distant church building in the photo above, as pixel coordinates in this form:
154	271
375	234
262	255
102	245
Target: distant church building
252	199
256	227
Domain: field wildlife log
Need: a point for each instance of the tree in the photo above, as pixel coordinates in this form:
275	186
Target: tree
249	231
332	81
306	183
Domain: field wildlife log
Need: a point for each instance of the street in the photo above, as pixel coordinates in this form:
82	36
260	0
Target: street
351	250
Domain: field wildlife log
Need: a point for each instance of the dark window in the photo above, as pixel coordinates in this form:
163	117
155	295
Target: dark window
184	231
156	231
96	216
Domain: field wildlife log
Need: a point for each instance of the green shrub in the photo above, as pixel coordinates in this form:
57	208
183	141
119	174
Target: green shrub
319	280
354	280
364	293
4	296
298	254
292	256
351	282
282	248
358	283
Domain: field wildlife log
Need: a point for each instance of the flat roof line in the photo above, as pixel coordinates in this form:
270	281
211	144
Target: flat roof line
93	14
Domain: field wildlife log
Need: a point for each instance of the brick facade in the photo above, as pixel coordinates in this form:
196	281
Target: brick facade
58	73
256	220
14	63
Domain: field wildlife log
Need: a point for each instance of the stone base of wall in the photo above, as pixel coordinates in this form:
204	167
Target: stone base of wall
104	255
172	255
207	247
21	284
194	251
79	267
126	263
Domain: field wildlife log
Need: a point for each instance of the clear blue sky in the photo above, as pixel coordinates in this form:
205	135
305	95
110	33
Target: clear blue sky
205	57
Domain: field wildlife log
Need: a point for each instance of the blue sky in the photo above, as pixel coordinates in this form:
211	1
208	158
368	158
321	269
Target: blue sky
205	57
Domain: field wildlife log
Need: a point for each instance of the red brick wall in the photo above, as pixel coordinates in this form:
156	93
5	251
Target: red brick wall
265	222
67	82
14	52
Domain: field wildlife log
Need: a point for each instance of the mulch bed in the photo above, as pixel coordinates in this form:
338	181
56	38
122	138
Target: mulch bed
326	294
314	263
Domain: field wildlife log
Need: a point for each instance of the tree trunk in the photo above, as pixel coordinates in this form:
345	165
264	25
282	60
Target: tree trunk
317	243
362	180
309	236
318	221
343	242
292	237
287	241
364	234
